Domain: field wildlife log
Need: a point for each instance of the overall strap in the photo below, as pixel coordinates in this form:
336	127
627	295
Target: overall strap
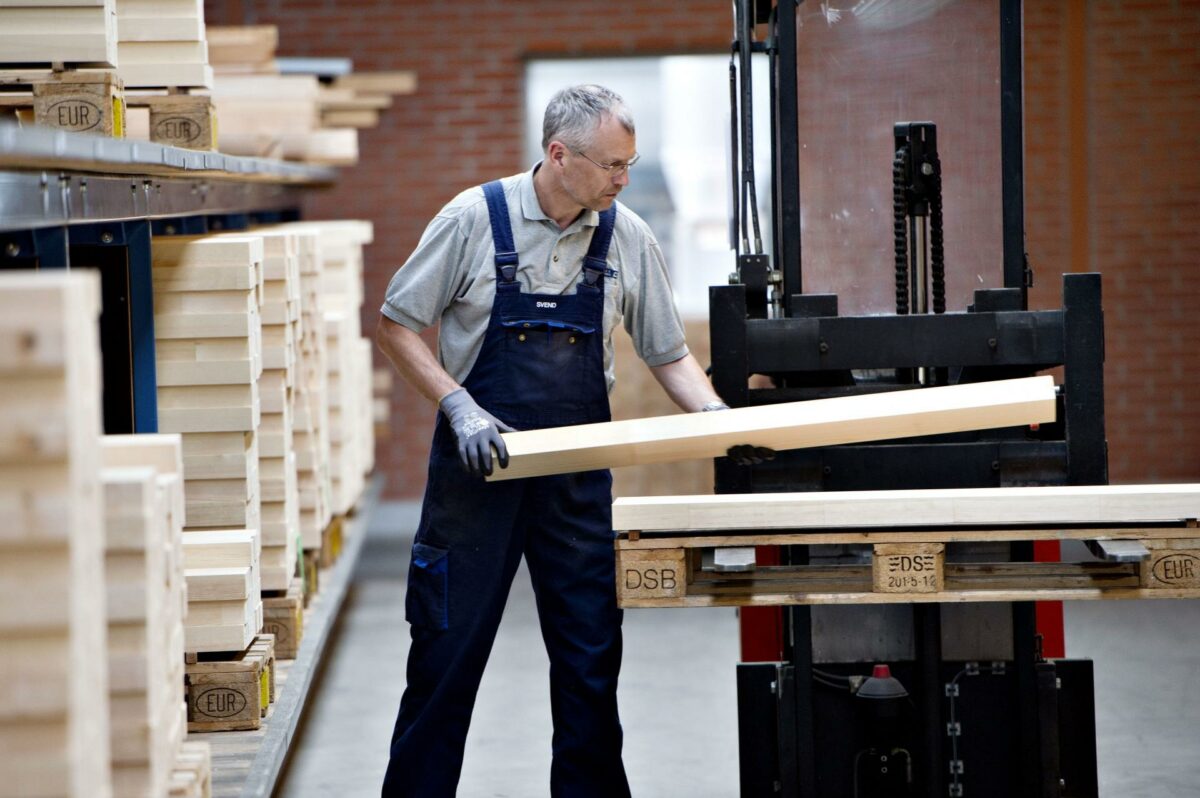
595	262
502	237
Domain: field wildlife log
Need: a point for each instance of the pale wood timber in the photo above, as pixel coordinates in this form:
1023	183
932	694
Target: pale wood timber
1085	504
822	422
54	704
67	32
241	44
397	82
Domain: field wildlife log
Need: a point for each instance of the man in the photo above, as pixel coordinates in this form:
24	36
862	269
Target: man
528	276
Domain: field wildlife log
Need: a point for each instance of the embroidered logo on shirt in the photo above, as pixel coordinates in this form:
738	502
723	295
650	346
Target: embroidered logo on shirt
547	304
611	272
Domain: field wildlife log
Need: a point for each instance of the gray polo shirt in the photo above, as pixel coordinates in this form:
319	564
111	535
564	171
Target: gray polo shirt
451	276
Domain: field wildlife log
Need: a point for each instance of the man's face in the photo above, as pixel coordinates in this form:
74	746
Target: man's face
590	185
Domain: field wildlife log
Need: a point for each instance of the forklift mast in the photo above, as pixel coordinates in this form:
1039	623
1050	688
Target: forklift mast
980	717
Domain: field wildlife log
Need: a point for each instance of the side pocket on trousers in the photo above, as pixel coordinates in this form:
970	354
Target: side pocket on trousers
427	603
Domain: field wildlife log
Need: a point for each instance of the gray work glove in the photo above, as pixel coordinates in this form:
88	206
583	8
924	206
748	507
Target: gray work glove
477	432
742	454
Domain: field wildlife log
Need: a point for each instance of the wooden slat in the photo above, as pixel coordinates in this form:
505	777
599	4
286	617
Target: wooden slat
793	425
1089	504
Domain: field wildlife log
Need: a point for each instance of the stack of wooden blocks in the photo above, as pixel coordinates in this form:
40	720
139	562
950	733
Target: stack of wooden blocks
277	456
54	707
224	593
349	384
81	32
208	332
161	43
144	507
267	114
310	418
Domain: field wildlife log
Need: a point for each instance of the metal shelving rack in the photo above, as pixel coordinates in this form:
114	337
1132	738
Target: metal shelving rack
70	200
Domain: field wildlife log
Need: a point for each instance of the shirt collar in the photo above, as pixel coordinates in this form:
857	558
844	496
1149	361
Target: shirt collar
532	209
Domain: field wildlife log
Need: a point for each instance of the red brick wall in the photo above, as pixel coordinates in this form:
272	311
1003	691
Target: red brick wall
1113	117
1113	169
465	123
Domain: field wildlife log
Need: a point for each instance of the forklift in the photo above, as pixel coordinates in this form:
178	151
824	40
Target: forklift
904	700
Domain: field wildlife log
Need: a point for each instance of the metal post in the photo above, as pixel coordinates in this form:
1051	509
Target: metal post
141	327
787	155
1012	148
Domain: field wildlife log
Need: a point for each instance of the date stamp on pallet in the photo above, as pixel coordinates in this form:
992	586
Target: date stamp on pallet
228	692
905	565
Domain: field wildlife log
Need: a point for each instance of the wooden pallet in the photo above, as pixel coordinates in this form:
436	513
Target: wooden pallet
903	566
283	617
179	118
230	692
70	100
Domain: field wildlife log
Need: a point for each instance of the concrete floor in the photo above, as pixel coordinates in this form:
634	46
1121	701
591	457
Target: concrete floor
678	701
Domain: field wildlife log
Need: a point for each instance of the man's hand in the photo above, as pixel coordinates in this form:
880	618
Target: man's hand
477	432
742	454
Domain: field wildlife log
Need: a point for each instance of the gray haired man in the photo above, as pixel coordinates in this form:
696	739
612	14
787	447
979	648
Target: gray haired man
527	276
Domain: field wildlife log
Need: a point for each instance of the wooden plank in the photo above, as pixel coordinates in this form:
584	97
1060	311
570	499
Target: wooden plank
159	29
898	535
395	82
1088	504
242	44
218	584
793	425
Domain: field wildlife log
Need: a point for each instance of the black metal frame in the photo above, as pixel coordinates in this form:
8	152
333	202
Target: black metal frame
812	352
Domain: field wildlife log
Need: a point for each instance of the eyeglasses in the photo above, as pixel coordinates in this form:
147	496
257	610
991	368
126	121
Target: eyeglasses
613	169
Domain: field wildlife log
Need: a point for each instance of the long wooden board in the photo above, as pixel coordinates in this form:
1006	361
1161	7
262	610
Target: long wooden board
793	425
1083	504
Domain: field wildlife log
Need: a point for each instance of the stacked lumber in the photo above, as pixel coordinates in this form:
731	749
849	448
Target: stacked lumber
208	333
310	416
277	456
54	708
366	405
278	116
291	116
355	100
348	383
147	602
162	43
243	49
224	591
79	32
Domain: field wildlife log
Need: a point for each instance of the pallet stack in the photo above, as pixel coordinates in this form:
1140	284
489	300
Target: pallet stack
277	456
208	335
54	707
143	479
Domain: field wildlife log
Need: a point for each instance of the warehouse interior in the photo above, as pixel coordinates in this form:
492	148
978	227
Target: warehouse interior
218	476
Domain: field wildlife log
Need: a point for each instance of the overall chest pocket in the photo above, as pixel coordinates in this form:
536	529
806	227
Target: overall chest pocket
550	353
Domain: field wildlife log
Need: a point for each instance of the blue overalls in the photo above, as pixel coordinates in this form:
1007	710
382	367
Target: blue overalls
541	365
